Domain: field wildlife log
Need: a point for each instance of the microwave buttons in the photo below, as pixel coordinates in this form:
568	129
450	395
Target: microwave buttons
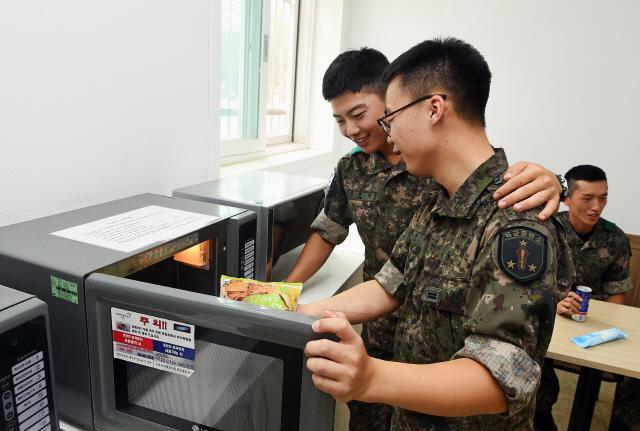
7	404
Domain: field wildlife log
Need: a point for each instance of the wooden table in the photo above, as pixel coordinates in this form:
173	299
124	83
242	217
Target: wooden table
619	356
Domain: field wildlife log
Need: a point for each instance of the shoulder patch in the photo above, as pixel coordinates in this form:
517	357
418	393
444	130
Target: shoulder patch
522	253
355	150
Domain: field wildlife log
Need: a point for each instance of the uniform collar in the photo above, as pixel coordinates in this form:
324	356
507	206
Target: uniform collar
377	163
597	238
462	203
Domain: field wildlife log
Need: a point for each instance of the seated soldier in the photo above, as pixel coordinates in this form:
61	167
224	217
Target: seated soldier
600	252
626	414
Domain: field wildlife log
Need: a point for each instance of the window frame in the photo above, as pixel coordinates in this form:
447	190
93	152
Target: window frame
233	150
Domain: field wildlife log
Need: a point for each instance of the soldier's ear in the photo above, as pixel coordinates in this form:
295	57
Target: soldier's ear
436	108
568	201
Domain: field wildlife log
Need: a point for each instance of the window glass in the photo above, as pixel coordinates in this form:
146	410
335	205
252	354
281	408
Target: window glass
257	75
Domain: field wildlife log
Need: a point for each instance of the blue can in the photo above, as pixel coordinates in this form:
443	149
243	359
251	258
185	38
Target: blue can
585	293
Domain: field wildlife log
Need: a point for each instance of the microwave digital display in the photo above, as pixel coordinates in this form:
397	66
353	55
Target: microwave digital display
25	379
238	383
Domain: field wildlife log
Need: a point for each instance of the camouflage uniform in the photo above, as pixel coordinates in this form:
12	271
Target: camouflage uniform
380	199
626	413
602	263
455	270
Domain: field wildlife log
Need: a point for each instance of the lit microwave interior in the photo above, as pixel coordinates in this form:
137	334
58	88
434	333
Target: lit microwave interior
198	256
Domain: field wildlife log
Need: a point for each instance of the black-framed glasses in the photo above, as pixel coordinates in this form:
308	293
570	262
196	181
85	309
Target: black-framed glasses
387	127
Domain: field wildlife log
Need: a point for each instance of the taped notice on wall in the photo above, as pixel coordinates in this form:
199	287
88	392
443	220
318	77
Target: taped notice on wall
153	342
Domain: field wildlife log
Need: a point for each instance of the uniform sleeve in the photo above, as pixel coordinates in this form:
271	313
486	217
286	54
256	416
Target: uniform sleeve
331	231
616	278
566	272
333	221
509	316
391	275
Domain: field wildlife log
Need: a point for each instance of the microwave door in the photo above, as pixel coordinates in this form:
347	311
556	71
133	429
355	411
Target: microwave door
246	370
235	390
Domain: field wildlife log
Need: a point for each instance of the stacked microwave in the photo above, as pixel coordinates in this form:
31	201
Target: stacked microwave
285	206
160	258
26	383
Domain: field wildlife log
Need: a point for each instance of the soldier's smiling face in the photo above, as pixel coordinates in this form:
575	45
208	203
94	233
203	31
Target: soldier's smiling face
356	115
586	202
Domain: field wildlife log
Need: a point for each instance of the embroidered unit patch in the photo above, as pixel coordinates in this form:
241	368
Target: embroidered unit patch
522	253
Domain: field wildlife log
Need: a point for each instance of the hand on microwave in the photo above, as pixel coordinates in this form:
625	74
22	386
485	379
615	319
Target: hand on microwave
342	369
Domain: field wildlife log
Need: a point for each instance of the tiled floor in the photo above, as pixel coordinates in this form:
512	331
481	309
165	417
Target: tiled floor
562	408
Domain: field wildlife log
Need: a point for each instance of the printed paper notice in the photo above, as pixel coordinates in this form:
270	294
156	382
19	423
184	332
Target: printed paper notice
138	228
154	342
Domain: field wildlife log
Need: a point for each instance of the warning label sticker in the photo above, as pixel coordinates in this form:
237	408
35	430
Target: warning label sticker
153	342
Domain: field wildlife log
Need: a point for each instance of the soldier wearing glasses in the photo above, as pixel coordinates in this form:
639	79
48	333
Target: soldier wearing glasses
372	188
474	287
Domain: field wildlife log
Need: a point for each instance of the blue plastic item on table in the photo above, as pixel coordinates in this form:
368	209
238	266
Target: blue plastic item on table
598	337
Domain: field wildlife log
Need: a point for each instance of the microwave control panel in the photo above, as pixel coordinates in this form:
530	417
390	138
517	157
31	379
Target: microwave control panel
25	380
247	242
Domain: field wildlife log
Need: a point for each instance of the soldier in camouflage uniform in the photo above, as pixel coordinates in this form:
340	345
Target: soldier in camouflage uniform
474	286
380	199
602	261
601	254
487	280
626	414
372	188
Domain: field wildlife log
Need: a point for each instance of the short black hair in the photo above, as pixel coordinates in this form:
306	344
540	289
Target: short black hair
584	173
353	71
451	65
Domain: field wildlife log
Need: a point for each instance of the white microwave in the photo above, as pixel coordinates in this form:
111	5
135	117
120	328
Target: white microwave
163	359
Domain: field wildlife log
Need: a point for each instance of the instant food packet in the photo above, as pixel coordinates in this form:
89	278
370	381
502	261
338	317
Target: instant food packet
279	296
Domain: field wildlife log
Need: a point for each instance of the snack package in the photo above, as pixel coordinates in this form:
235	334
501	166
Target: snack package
279	296
599	337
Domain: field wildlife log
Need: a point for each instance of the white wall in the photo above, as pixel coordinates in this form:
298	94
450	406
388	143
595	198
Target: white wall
566	74
101	100
322	28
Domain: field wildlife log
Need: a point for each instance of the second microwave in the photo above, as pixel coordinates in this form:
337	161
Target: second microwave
180	244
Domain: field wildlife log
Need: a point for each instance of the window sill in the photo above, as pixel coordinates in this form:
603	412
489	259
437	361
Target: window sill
297	156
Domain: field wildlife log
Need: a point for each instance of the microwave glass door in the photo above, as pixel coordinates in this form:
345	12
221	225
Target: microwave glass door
192	262
238	383
290	225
